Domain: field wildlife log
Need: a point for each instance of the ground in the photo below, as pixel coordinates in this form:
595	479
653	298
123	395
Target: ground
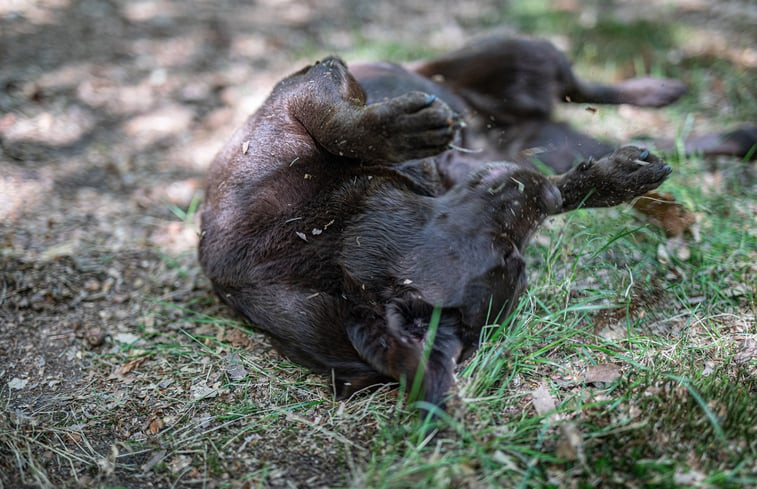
632	361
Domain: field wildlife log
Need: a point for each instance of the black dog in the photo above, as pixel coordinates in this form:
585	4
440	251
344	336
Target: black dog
343	211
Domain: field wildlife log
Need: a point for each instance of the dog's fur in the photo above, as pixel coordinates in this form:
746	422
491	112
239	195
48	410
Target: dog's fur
343	211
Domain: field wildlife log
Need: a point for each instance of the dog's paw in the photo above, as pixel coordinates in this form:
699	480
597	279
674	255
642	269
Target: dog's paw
623	175
413	125
651	92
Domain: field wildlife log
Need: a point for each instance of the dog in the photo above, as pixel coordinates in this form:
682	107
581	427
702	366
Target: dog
347	211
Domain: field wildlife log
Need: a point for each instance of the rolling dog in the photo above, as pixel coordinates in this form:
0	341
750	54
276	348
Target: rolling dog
346	209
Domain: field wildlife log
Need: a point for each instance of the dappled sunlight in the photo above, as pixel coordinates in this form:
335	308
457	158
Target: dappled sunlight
175	238
166	53
143	10
149	128
107	94
37	12
19	192
54	128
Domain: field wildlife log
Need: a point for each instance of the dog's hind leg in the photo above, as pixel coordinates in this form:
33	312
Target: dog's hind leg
399	344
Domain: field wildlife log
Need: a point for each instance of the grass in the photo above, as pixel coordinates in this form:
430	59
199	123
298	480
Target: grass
199	400
681	411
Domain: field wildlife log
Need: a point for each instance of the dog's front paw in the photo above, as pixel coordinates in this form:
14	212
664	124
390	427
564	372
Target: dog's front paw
614	179
623	175
413	125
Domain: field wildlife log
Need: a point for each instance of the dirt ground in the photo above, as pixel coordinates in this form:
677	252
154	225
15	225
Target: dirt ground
109	115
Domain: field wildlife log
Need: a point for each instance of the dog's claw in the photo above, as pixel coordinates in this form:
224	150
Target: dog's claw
644	154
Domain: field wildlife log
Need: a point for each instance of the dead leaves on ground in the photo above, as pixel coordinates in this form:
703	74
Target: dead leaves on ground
542	400
155	424
123	372
604	373
570	443
663	210
666	212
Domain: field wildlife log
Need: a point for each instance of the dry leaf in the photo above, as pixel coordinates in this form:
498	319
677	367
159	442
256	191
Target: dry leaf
602	373
234	368
748	351
570	443
237	338
60	250
542	399
663	210
678	246
201	390
130	365
662	254
72	438
155	424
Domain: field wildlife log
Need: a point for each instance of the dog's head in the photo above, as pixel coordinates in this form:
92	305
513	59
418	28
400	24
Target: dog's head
523	198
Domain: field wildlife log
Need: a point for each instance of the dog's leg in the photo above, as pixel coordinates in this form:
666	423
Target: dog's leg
512	79
740	143
642	92
616	178
332	109
399	345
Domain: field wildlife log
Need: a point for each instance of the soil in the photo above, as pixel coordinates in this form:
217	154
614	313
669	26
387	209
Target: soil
109	115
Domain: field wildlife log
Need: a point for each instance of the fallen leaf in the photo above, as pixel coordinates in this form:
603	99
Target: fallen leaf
234	369
203	391
678	246
72	438
603	373
542	399
155	424
748	351
60	250
237	338
179	463
570	443
130	365
663	210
